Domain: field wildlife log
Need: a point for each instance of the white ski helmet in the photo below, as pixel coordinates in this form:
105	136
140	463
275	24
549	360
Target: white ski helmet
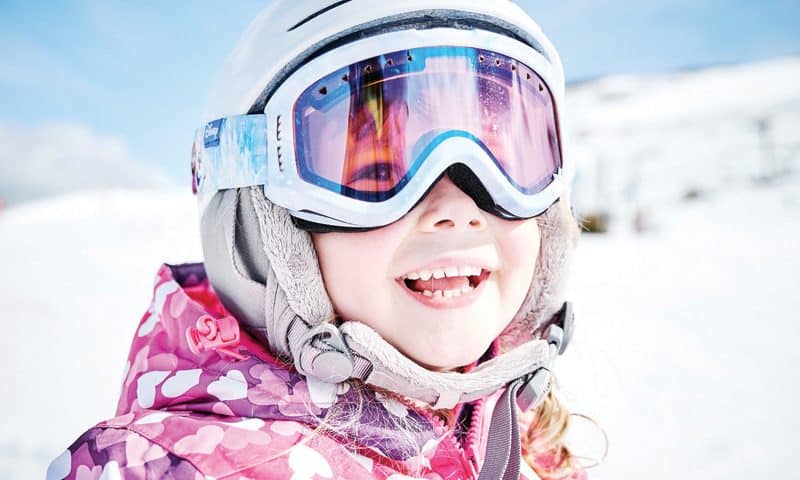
264	268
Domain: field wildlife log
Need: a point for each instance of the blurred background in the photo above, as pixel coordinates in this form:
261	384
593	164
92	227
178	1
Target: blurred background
684	117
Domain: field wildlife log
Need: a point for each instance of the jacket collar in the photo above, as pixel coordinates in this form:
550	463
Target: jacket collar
188	354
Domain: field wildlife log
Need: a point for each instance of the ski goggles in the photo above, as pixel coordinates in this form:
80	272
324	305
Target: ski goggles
359	146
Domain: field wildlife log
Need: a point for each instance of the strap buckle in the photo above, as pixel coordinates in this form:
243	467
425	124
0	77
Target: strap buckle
324	354
536	385
565	320
534	388
558	334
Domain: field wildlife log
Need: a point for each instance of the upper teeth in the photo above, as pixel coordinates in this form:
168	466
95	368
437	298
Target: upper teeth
444	272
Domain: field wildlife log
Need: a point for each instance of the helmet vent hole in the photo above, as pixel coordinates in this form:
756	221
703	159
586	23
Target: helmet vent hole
528	75
482	58
368	69
278	138
541	87
323	91
497	62
513	68
389	62
345	77
410	58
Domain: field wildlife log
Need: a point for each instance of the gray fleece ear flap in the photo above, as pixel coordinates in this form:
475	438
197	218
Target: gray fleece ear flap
238	244
235	262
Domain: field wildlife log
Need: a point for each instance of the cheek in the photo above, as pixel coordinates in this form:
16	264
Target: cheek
352	264
519	243
335	252
525	239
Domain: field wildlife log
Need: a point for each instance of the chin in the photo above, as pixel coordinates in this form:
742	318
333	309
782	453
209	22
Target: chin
448	361
448	348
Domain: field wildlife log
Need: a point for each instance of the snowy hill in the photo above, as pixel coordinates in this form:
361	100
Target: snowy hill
686	342
77	276
647	142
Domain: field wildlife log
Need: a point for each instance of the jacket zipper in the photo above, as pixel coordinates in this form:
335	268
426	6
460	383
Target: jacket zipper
439	426
472	435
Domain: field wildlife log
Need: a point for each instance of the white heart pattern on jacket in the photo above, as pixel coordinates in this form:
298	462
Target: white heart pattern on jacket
306	463
146	387
159	298
232	386
181	382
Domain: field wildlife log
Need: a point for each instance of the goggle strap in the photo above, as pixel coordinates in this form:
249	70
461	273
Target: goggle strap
230	152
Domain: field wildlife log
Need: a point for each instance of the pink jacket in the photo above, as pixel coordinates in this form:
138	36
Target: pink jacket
196	408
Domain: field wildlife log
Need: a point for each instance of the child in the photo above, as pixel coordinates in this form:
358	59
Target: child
386	227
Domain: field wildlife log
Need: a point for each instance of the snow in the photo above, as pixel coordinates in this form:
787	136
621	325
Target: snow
708	130
67	263
685	351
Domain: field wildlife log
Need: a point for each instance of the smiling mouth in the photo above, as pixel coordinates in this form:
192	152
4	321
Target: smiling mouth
446	282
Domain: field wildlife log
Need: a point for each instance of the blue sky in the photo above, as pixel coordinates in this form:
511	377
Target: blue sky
138	72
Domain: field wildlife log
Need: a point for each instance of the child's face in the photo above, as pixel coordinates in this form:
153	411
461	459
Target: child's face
364	275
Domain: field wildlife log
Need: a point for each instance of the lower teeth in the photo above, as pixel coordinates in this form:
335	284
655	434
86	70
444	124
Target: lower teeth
447	293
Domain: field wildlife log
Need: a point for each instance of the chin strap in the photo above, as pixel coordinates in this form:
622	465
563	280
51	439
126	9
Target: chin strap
354	351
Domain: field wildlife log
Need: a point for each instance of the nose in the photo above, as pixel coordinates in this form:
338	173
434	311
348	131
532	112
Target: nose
446	207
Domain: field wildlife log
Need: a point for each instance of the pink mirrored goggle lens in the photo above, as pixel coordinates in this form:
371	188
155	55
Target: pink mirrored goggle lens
365	130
